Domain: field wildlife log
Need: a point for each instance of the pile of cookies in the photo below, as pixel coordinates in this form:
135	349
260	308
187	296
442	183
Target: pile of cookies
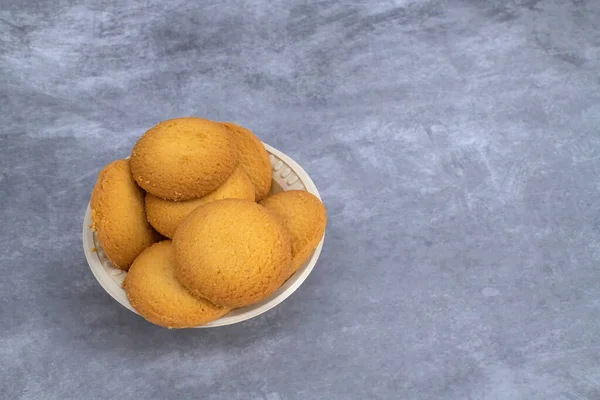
189	215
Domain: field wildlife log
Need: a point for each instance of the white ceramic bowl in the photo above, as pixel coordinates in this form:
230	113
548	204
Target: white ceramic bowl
287	175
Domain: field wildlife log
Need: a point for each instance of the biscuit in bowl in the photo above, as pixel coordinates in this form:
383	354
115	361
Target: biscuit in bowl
231	252
304	217
166	215
154	292
183	158
254	158
118	216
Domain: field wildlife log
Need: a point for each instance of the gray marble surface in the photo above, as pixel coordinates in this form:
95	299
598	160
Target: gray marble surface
456	145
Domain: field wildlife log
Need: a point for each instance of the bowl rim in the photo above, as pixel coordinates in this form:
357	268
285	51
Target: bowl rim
241	314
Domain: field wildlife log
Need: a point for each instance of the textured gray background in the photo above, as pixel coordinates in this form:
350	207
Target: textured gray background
456	145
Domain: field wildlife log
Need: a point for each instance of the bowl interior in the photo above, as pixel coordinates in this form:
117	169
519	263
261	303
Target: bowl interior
287	175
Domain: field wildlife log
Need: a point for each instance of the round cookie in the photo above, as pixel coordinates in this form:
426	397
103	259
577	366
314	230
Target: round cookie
253	158
183	158
304	217
118	215
232	252
166	215
156	295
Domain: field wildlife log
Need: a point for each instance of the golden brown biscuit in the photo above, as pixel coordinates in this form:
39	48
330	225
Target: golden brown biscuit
253	158
183	158
231	252
304	217
118	215
166	215
156	295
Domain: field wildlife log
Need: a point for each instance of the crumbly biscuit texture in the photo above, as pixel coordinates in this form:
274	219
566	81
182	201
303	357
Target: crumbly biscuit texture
183	158
156	295
232	252
253	158
304	217
166	215
118	215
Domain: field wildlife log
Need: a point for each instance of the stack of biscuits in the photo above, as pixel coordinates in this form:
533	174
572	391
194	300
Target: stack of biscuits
191	217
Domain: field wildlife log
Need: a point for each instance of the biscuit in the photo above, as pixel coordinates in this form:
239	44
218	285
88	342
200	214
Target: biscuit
156	295
183	158
231	252
304	217
166	215
253	158
118	215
